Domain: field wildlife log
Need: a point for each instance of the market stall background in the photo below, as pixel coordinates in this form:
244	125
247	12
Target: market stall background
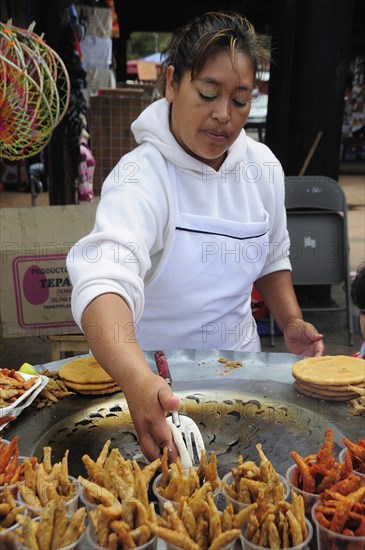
317	48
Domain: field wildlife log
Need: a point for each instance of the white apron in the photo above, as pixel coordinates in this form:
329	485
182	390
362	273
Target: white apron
201	296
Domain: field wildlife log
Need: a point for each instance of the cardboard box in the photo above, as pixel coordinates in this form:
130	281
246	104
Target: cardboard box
35	293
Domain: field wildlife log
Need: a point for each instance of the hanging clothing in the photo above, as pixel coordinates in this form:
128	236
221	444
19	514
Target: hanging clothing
85	189
77	105
97	48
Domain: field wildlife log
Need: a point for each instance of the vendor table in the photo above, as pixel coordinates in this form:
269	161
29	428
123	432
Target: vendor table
235	408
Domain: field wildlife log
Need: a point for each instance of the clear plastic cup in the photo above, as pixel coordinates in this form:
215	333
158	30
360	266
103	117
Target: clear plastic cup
247	545
71	504
15	525
309	498
6	531
327	539
91	542
8	441
235	546
13	488
77	545
237	505
176	504
341	458
89	504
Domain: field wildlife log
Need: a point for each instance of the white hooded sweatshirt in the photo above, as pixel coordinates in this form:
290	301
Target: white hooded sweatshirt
159	198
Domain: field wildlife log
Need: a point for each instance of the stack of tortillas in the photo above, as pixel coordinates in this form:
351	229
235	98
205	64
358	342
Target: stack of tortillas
329	377
86	376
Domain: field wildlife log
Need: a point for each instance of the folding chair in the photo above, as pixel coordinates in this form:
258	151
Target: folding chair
318	227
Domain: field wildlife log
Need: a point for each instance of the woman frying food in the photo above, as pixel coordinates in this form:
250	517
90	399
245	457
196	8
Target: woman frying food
186	223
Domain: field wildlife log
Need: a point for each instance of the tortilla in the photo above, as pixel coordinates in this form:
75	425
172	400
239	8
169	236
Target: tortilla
84	370
113	389
311	393
323	390
336	370
77	387
330	387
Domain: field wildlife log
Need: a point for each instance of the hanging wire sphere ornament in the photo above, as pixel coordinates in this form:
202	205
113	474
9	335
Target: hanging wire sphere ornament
34	92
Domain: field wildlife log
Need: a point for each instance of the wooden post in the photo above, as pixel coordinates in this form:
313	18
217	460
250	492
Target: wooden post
52	22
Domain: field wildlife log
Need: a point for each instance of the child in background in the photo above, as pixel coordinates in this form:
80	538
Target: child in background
358	298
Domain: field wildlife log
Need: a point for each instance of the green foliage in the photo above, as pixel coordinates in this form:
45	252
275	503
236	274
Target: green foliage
141	44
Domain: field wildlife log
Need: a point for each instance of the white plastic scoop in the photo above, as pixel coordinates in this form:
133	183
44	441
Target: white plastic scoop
188	429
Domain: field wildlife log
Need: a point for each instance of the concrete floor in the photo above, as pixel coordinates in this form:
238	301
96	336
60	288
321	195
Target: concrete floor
13	352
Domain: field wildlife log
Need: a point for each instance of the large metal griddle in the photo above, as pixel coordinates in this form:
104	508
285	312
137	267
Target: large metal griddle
234	408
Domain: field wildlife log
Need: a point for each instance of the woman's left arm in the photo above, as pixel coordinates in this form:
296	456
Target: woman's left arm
278	293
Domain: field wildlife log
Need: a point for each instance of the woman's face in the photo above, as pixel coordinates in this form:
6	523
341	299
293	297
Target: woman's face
208	113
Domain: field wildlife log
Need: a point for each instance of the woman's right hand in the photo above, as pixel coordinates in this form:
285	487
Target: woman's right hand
149	399
148	395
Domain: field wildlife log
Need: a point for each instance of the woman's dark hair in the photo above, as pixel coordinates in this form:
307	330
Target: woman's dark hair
194	43
358	288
